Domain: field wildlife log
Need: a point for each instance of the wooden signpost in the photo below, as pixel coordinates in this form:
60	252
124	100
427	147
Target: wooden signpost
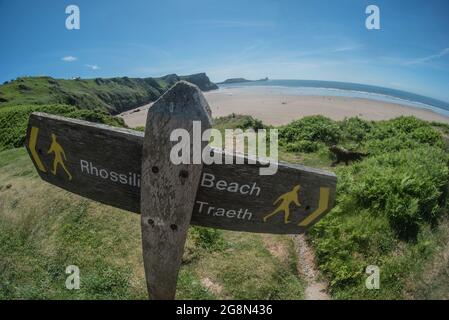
168	191
132	171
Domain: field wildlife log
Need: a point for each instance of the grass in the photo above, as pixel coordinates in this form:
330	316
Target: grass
245	268
39	238
239	121
432	284
113	95
390	211
391	207
43	229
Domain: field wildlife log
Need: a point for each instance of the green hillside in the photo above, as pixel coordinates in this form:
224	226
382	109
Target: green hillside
113	95
391	211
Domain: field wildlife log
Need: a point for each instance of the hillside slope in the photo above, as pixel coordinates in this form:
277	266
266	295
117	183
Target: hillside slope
391	211
44	229
114	95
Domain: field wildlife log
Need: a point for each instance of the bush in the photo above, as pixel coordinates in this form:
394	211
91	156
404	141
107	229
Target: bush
384	206
207	238
237	121
374	138
14	120
302	146
355	129
251	123
408	187
409	131
428	136
312	129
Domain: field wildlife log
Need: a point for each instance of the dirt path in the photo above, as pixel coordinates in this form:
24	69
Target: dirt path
316	289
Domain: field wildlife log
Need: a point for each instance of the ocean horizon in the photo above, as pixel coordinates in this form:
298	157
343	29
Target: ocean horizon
345	89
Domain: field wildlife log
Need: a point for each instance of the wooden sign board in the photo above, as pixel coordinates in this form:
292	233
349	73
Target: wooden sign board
119	167
103	163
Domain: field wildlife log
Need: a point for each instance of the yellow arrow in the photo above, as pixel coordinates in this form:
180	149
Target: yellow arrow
32	145
323	204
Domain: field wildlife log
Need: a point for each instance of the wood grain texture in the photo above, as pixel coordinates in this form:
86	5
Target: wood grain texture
168	191
120	150
107	148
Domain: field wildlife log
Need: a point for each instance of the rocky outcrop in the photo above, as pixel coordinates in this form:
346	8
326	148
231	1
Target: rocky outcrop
201	80
240	80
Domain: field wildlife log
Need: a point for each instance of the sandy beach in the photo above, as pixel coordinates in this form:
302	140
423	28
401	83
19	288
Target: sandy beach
278	109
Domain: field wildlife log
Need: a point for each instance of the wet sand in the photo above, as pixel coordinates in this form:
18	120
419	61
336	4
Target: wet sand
278	109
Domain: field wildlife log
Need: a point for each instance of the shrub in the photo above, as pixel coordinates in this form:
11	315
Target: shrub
428	136
251	123
355	129
386	206
408	187
402	126
237	121
302	146
207	238
313	129
14	120
401	133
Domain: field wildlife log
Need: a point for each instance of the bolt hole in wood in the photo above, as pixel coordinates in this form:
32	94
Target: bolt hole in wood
151	222
174	227
155	169
307	208
183	174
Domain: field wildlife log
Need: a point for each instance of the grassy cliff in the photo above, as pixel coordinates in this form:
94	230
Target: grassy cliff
113	95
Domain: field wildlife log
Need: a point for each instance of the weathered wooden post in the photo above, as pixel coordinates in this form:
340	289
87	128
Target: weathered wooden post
125	169
168	191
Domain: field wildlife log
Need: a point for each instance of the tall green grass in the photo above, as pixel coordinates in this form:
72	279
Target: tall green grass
387	205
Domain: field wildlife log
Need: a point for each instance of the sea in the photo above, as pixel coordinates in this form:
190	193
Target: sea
345	89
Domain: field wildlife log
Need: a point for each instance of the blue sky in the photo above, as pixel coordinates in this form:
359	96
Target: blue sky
308	39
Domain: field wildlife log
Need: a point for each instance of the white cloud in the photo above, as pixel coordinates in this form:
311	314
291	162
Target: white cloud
69	59
93	66
440	54
347	48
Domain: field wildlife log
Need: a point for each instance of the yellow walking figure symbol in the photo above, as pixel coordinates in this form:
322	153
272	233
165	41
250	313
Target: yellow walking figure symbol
287	199
56	148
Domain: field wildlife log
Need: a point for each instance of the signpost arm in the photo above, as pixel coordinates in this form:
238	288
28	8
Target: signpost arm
168	191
